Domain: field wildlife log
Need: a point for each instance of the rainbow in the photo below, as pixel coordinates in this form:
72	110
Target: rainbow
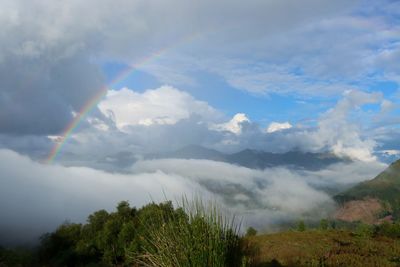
94	100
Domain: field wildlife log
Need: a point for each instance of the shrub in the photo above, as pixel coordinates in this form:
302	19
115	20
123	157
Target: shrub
323	224
364	230
301	226
251	232
199	236
390	230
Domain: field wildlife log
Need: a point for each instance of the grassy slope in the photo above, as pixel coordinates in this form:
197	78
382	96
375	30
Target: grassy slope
332	248
385	186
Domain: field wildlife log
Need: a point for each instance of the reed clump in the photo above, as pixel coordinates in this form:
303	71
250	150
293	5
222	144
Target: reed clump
196	234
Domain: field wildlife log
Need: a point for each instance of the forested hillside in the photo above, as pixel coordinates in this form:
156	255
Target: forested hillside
380	196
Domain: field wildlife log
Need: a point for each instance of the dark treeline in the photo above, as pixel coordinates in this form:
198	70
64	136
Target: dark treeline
161	235
135	237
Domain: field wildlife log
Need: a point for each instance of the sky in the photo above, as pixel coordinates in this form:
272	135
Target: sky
83	81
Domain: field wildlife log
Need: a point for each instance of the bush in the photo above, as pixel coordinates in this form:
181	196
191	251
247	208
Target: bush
323	224
199	236
301	226
364	230
390	230
155	235
251	232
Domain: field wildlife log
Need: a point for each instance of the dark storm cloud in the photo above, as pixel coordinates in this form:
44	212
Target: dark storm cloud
47	47
38	95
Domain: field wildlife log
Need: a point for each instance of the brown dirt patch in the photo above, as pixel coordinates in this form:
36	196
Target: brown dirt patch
366	210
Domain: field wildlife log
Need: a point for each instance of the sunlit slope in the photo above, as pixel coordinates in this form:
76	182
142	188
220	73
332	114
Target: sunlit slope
324	248
385	187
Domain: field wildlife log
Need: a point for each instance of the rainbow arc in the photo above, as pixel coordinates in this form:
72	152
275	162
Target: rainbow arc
95	99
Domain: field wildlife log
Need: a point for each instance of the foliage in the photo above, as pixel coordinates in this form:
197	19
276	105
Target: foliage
323	224
199	235
251	232
324	248
17	257
301	226
385	187
364	230
187	236
104	240
389	229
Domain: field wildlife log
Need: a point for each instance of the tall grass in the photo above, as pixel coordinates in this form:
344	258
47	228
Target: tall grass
196	234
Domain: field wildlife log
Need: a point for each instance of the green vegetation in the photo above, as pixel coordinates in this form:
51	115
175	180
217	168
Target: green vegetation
198	236
194	234
301	226
17	257
251	232
324	248
385	187
323	224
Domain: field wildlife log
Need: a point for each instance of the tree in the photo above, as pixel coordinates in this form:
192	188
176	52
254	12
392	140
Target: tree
251	231
364	230
301	227
58	248
323	224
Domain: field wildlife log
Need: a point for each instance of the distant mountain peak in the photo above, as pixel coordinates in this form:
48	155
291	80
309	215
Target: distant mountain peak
256	159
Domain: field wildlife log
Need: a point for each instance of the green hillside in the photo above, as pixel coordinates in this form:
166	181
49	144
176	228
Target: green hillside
194	235
385	187
324	248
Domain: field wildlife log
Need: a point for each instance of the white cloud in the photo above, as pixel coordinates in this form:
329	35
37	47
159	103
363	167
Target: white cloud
296	61
164	105
185	121
234	125
341	134
45	195
390	152
35	198
112	28
387	106
265	78
258	46
278	126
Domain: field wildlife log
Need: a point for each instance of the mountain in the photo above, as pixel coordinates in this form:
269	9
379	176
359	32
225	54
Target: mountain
372	200
195	152
261	160
256	159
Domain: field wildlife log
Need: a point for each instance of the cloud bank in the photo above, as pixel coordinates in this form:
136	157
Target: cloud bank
166	119
45	195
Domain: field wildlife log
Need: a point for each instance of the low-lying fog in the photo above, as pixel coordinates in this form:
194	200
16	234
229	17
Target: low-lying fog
35	198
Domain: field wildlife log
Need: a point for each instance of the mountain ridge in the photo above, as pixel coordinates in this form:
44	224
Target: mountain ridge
379	197
256	159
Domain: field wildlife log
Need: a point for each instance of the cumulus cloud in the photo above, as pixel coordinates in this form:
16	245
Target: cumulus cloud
338	130
164	105
234	125
278	126
51	54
